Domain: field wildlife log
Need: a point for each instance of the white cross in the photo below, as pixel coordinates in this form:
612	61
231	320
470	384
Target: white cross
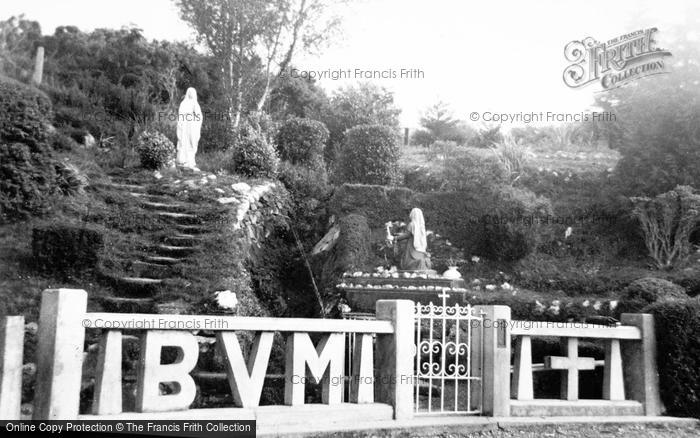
444	295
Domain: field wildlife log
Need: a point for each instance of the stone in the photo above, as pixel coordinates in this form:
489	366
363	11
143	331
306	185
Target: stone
241	188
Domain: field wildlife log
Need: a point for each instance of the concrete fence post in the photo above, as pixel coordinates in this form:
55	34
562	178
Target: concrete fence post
395	357
495	373
639	360
11	354
60	354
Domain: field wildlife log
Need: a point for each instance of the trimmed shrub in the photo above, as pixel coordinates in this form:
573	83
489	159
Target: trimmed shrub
473	170
27	181
499	224
155	149
66	249
644	291
511	227
370	155
253	156
302	142
677	325
25	115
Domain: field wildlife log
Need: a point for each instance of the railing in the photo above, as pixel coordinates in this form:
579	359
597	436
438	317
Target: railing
379	382
629	366
376	373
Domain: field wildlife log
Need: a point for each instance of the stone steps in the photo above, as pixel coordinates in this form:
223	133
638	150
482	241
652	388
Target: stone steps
166	207
180	218
127	305
191	229
136	287
161	260
175	251
151	270
182	240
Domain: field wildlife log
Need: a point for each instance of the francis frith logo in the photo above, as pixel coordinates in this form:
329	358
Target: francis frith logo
615	62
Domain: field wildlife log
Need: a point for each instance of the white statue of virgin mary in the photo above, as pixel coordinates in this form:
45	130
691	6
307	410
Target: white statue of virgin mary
189	125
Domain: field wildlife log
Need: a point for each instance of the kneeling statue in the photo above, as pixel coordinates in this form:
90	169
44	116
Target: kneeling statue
414	256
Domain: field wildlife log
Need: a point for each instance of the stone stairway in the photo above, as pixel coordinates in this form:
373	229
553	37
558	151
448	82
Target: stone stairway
148	270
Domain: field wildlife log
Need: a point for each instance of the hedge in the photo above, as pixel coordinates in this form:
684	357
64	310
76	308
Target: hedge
370	155
677	326
66	249
483	223
25	115
302	142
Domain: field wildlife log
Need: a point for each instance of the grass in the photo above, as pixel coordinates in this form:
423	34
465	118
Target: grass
546	155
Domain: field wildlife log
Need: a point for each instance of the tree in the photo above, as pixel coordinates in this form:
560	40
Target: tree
439	124
19	38
667	222
253	36
656	127
363	104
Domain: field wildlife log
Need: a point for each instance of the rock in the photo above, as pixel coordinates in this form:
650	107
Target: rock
225	201
241	188
89	141
31	328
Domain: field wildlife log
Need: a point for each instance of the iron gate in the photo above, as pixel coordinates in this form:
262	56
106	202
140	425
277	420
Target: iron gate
448	359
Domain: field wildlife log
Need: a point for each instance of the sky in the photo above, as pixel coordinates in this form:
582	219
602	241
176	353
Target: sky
487	56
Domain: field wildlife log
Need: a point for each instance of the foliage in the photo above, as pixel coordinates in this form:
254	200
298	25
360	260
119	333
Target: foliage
66	249
487	137
667	222
27	182
155	150
70	179
25	114
364	104
302	141
656	127
422	137
489	223
512	158
439	125
351	252
253	155
472	170
370	155
644	291
18	40
677	326
442	150
511	228
298	97
253	40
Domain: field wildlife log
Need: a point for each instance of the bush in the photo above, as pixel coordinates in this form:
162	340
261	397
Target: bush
70	179
677	325
493	223
370	155
25	115
302	141
473	170
155	150
253	155
644	291
27	181
66	249
511	227
667	222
